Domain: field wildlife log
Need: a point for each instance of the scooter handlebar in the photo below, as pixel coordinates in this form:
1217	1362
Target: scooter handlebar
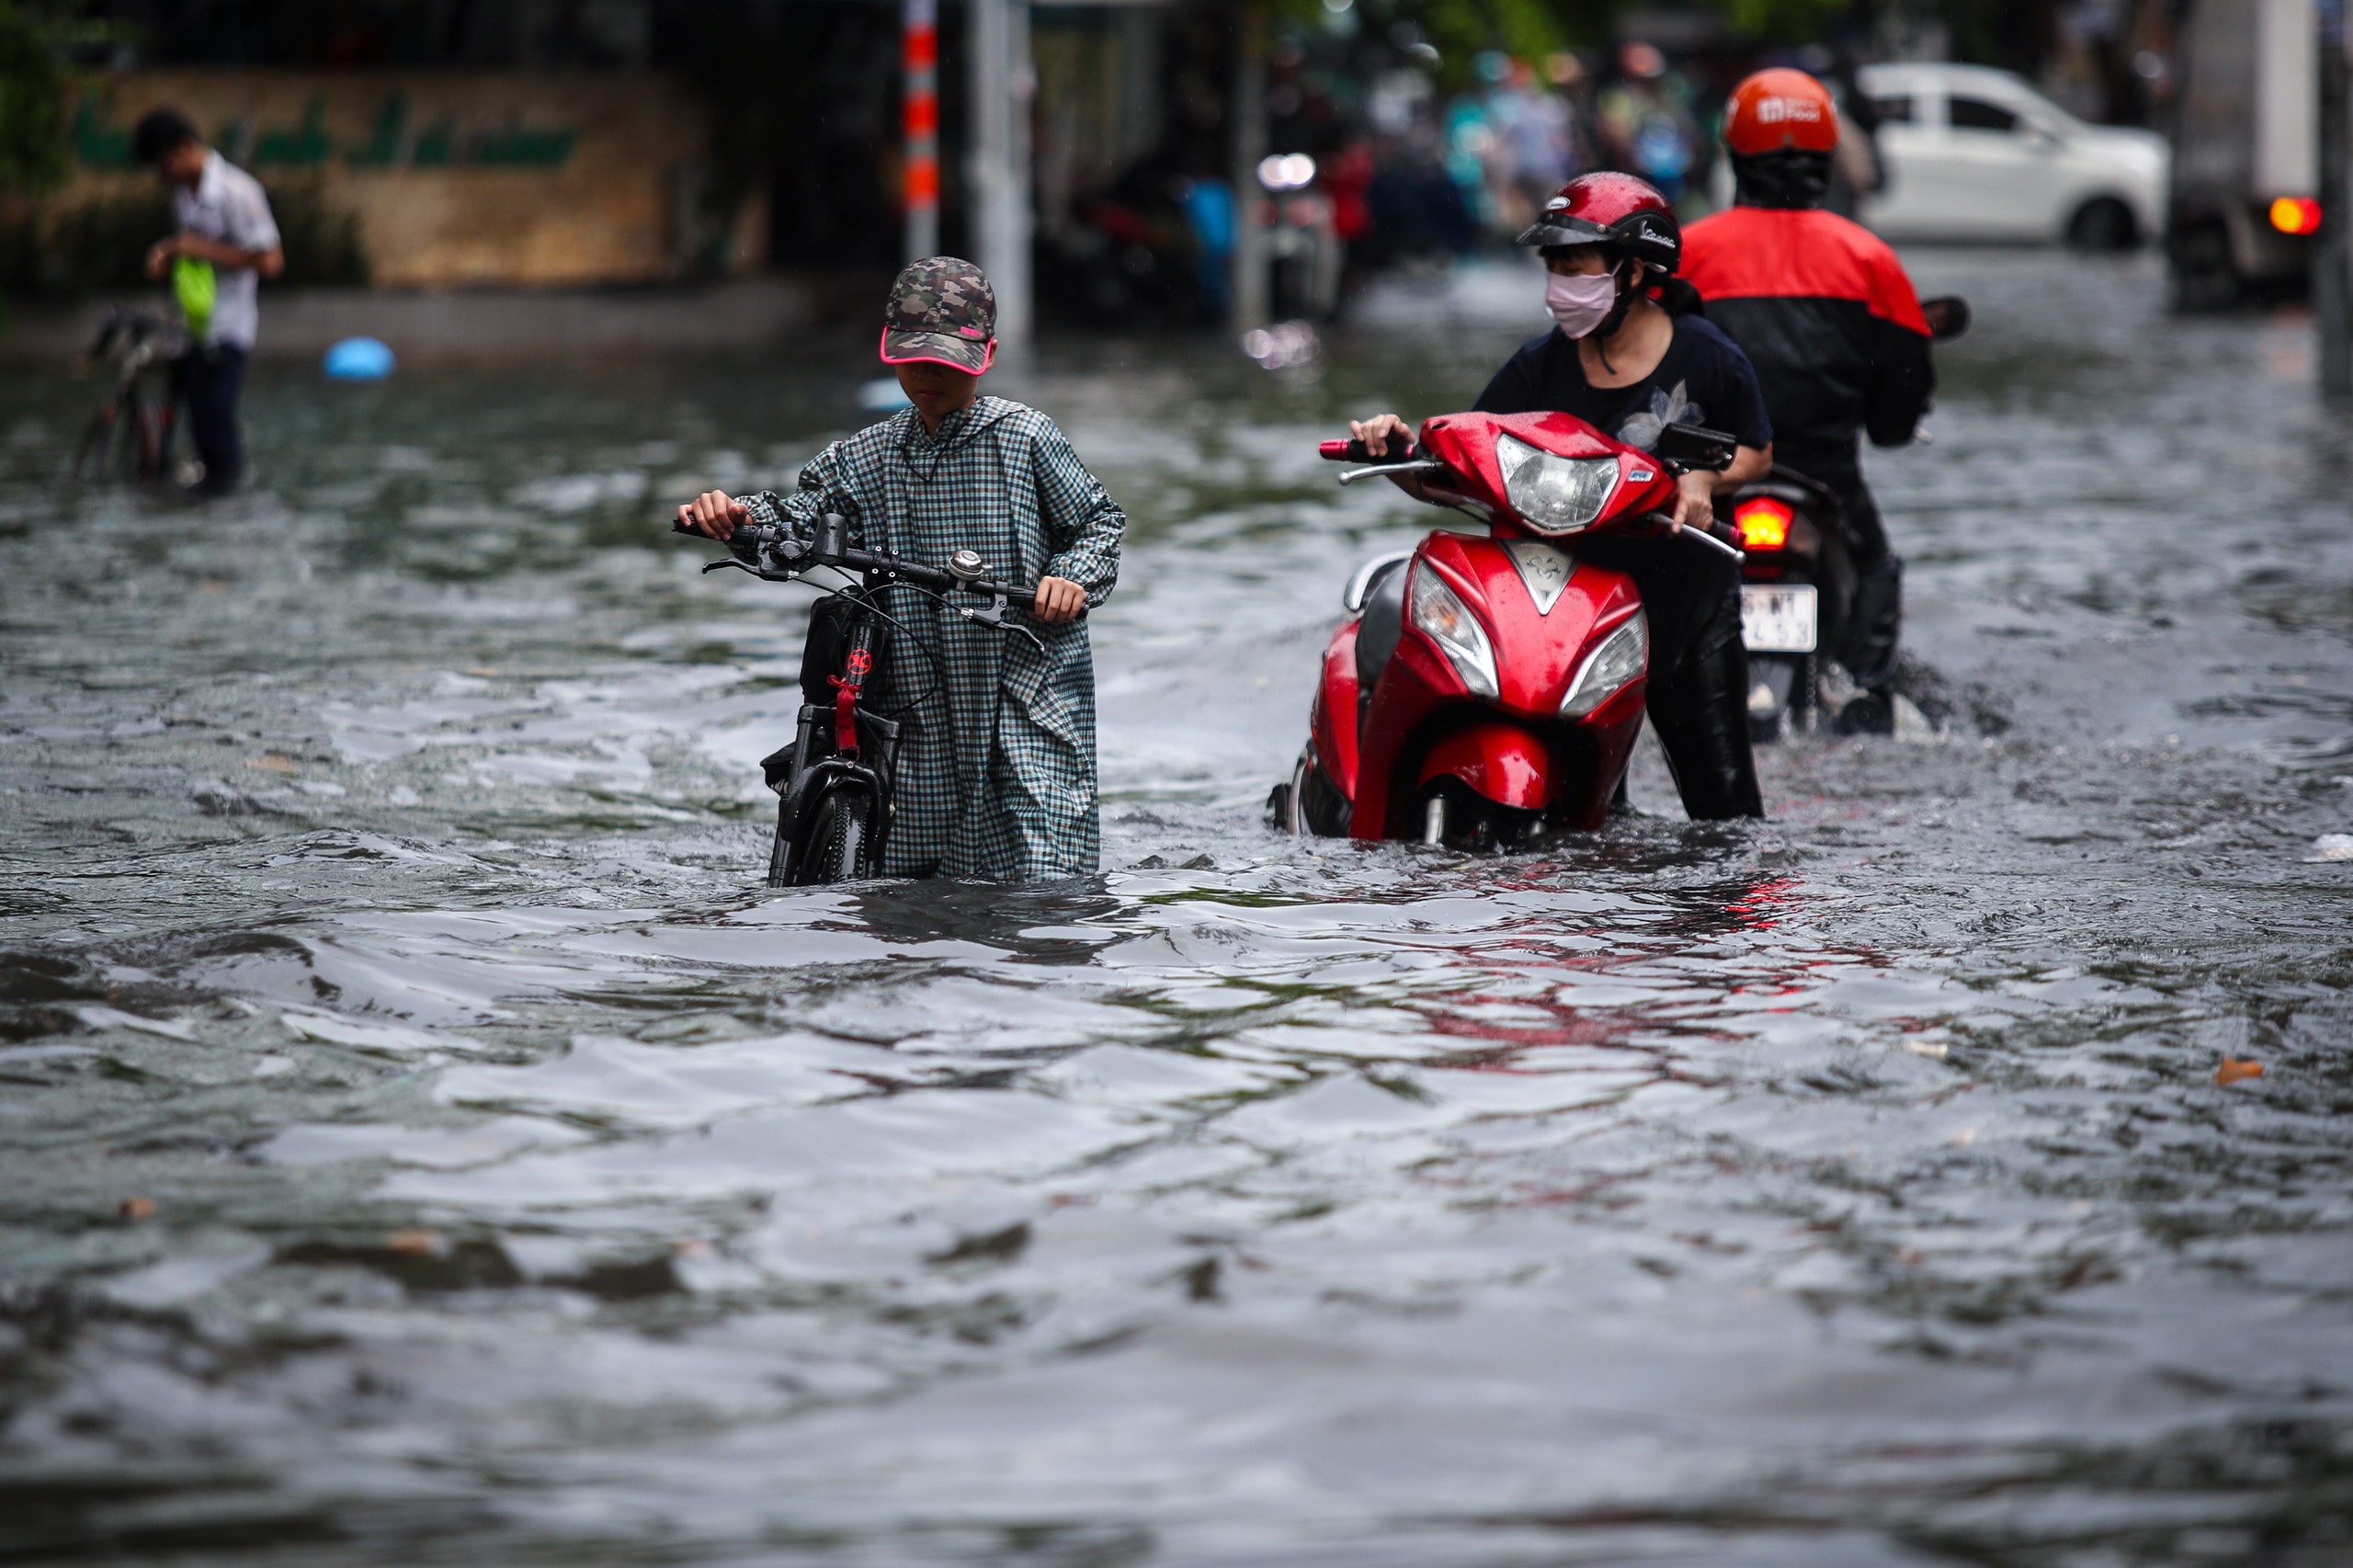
1355	452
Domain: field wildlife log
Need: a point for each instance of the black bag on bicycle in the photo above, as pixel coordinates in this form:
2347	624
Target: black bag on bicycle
831	622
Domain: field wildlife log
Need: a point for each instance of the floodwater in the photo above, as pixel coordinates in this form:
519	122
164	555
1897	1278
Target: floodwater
423	1142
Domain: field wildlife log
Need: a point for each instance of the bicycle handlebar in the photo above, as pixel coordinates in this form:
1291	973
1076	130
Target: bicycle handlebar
798	554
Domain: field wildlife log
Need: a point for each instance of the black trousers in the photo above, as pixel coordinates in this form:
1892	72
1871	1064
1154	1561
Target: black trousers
1698	675
207	381
1868	644
1875	620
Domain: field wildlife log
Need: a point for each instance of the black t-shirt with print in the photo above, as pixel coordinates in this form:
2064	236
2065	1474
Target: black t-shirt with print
1703	378
1691	593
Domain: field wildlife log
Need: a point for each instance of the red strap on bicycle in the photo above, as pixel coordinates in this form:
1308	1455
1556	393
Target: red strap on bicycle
845	717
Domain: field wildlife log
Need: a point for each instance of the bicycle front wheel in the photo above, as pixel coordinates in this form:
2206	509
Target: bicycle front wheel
91	458
840	841
144	448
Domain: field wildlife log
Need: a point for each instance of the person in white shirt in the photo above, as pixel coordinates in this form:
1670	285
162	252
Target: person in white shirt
227	243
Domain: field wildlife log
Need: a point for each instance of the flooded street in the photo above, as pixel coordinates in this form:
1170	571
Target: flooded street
422	1141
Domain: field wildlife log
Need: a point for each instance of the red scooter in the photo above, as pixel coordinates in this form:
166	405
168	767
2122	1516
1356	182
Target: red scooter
1485	693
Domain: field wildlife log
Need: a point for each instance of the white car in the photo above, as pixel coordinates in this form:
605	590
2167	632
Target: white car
1974	153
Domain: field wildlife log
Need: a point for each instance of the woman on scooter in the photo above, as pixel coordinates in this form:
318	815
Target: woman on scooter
1630	356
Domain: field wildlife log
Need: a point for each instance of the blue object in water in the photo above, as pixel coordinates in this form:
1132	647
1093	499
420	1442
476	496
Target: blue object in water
358	360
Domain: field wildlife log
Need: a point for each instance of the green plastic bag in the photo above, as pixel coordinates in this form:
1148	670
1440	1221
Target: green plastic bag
198	288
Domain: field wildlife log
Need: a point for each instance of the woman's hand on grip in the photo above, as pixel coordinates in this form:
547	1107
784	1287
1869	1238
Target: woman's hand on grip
1377	432
1695	501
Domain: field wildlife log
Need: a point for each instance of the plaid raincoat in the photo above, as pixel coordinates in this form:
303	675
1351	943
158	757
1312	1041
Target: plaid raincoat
996	776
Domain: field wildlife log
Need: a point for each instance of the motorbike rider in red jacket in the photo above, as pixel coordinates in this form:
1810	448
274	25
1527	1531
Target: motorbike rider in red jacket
1825	313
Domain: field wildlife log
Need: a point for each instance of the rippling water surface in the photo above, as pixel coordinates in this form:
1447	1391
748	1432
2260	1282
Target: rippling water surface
421	1142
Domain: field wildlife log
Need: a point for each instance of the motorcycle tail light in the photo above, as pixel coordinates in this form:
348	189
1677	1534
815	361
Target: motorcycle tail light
1441	615
1764	524
2296	215
1623	654
1556	495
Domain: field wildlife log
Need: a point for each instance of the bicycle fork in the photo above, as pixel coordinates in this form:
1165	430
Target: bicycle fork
862	754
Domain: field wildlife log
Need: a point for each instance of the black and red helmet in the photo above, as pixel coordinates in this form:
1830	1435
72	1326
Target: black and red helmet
1617	211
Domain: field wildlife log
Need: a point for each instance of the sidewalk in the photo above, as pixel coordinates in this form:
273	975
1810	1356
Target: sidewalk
304	322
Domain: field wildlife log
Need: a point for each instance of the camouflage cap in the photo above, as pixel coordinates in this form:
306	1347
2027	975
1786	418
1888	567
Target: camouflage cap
942	312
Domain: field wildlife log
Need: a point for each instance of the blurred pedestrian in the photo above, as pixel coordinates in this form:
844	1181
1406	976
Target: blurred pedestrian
1532	156
227	243
1646	124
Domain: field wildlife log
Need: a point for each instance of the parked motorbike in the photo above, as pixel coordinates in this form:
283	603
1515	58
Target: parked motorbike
836	781
1485	693
1798	585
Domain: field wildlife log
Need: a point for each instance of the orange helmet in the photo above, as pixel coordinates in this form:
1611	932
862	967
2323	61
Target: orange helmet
1780	110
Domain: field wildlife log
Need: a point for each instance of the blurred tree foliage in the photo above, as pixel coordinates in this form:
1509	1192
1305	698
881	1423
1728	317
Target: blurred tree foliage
37	44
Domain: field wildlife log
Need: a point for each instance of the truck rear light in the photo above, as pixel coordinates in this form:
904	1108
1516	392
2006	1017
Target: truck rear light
2296	215
1764	524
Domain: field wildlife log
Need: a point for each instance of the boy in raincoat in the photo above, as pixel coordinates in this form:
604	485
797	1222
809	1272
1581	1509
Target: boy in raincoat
996	777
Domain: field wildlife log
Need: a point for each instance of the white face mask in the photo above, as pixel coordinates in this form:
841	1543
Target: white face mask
1581	302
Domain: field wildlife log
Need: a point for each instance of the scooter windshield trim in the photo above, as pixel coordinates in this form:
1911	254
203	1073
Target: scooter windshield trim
1440	614
1554	496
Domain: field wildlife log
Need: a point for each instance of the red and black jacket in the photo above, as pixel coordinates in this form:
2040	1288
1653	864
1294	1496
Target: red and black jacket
1823	311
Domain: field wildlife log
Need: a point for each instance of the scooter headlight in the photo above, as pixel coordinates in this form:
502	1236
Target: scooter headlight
1623	654
1557	495
1448	621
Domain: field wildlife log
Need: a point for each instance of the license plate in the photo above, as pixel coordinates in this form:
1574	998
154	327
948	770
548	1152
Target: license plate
1776	617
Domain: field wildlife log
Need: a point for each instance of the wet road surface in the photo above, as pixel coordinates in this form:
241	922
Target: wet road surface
421	1142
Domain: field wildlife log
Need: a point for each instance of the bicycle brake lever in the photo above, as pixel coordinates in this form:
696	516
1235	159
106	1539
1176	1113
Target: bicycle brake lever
710	567
993	618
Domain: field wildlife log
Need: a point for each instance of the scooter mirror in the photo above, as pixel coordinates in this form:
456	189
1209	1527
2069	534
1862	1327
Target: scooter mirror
1688	447
1948	316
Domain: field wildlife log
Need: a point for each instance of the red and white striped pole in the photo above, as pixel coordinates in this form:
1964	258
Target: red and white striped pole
919	124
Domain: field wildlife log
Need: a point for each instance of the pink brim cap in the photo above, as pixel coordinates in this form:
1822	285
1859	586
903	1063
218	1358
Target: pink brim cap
972	355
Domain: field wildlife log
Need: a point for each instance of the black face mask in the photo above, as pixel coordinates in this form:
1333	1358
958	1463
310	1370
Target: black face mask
1787	179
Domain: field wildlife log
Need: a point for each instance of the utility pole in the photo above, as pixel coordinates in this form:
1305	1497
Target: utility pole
919	125
1002	86
2332	263
1249	121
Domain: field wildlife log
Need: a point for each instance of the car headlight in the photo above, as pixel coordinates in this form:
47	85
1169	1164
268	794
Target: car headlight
1448	621
1557	495
1621	656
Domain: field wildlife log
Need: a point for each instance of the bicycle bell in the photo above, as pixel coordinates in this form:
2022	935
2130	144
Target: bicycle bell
966	566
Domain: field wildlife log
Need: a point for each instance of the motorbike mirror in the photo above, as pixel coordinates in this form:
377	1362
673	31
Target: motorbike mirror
1689	447
1948	316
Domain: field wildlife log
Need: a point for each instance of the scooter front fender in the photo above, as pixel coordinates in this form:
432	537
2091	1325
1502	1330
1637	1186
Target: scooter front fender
1503	762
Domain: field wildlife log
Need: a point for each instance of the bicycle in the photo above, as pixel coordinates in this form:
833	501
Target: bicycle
836	781
131	434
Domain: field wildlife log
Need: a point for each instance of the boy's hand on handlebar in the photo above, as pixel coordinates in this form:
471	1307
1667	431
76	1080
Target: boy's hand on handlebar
714	514
1059	600
1695	501
1377	432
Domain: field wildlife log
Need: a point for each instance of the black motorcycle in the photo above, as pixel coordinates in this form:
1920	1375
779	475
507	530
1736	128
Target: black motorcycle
1798	584
1796	588
834	781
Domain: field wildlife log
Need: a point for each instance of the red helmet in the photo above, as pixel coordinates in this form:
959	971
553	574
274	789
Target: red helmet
1781	111
1614	211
